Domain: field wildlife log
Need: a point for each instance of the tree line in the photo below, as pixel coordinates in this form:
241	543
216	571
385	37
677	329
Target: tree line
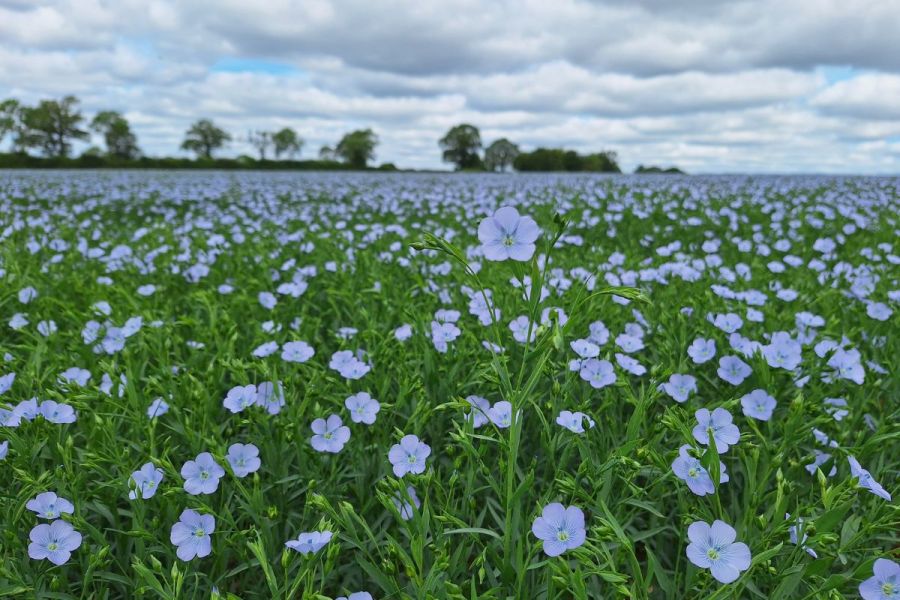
462	147
51	126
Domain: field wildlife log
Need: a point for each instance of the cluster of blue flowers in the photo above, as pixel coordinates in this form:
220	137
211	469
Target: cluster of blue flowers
293	356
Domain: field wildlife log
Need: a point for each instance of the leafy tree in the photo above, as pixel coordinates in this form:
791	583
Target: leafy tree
203	138
287	142
357	148
120	140
50	126
655	169
92	152
602	162
261	140
327	153
461	145
555	159
500	155
9	113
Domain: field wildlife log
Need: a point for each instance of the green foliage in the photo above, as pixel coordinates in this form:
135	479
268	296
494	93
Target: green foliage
120	141
554	159
9	112
461	145
50	126
95	158
500	155
357	148
203	138
660	170
327	153
471	537
262	141
287	142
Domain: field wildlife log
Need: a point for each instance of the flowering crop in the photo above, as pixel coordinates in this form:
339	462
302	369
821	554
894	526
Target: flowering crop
372	386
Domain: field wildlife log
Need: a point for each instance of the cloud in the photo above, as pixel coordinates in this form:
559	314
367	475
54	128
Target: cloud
707	85
868	96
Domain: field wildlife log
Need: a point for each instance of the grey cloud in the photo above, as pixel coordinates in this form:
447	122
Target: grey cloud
868	96
708	85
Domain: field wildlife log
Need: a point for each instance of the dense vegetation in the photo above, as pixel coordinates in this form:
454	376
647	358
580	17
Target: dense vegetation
555	159
273	385
52	126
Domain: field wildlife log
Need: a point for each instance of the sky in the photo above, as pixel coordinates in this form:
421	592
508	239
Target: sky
757	86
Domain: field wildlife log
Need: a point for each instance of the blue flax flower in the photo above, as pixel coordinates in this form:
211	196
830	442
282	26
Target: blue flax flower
201	475
713	547
146	481
884	584
409	455
720	423
560	528
309	542
243	458
191	535
49	506
54	542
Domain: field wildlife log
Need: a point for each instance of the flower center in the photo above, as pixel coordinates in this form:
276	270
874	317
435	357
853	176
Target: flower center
887	589
509	241
52	546
693	472
411	458
204	475
712	554
562	535
328	435
199	533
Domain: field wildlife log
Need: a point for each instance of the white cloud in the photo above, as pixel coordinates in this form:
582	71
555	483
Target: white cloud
703	84
868	96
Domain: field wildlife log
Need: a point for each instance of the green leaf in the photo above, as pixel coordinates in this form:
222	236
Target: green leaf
710	461
766	555
474	530
829	519
791	578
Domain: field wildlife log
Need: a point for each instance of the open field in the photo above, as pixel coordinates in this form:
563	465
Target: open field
218	376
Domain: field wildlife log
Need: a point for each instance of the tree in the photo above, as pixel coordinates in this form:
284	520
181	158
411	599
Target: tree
50	126
9	113
500	155
556	159
203	138
660	170
120	140
327	153
602	162
357	148
92	152
461	145
287	142
261	140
